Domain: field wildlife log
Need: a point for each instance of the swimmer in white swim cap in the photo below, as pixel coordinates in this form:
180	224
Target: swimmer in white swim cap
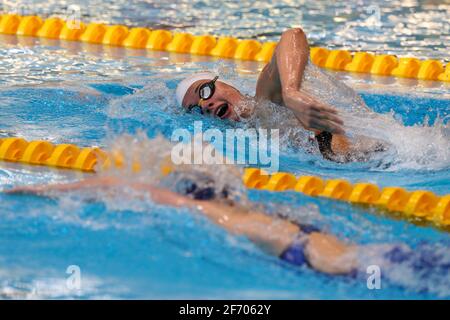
280	82
213	96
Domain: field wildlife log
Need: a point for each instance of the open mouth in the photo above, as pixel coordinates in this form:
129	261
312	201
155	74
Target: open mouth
222	110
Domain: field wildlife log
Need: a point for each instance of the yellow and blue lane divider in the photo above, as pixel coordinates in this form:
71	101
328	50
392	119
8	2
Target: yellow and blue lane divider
416	204
221	47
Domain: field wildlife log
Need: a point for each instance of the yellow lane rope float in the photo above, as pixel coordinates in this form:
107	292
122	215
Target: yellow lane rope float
222	47
41	152
421	204
415	204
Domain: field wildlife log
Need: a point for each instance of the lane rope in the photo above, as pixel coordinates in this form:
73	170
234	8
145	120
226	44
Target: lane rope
420	204
222	47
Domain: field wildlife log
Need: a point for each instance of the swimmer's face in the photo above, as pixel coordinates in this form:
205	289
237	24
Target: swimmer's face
222	104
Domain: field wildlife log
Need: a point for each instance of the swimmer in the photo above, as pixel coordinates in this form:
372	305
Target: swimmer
281	83
295	243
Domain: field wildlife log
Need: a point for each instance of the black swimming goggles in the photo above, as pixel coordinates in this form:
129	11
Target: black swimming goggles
205	92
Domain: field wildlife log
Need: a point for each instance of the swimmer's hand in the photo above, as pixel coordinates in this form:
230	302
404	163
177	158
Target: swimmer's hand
313	114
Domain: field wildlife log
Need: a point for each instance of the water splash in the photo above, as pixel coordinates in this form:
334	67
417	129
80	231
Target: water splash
418	147
146	160
423	268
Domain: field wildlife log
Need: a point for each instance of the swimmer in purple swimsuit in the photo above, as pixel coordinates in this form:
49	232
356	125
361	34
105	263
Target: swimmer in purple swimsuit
297	244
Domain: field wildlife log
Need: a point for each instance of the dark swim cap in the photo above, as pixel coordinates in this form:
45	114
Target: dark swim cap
190	188
196	185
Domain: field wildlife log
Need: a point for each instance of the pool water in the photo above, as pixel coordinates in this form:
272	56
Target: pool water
94	95
415	27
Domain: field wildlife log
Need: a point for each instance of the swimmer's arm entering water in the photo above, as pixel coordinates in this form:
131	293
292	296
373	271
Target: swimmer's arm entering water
323	252
280	82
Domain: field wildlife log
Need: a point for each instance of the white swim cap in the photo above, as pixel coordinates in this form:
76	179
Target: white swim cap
185	84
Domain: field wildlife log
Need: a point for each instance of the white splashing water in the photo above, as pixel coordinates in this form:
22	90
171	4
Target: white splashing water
424	147
426	270
417	147
153	155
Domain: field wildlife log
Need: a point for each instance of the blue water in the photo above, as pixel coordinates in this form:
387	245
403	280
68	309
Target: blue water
419	27
93	95
154	252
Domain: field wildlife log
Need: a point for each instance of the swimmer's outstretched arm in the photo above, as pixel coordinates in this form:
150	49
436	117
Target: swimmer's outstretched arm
93	182
280	82
324	252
